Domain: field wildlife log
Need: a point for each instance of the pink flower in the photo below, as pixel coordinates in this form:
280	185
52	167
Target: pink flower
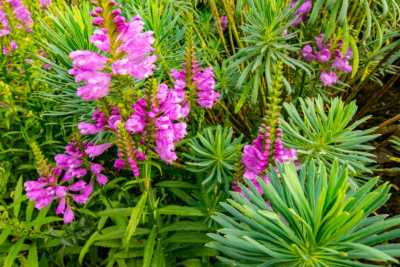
134	167
256	157
101	179
100	40
119	164
164	139
137	47
323	55
205	85
22	14
68	215
328	78
87	67
302	12
114	119
71	162
224	22
179	131
84	194
307	53
13	45
86	61
135	124
96	150
4	25
204	82
341	63
88	128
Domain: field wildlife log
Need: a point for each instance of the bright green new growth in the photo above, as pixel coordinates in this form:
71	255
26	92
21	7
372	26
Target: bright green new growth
328	135
308	219
215	153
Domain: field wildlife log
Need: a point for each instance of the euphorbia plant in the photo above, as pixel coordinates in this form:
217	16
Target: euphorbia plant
305	218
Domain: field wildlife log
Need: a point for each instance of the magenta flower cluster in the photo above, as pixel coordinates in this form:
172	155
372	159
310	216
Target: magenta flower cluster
66	183
203	81
154	124
330	57
132	56
159	120
256	157
21	17
302	11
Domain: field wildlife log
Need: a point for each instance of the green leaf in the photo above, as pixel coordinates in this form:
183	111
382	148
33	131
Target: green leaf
93	238
180	211
149	248
18	197
356	59
33	260
135	219
13	253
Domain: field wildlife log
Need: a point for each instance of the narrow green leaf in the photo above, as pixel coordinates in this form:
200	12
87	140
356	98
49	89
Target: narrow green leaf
17	197
180	211
13	253
135	219
93	238
33	260
149	248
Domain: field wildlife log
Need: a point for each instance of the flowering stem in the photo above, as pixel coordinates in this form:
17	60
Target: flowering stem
214	11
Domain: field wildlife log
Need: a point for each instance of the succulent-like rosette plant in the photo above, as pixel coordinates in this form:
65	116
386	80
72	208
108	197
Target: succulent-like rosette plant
329	134
307	218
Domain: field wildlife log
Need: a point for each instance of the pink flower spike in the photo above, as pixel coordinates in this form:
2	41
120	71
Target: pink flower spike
134	167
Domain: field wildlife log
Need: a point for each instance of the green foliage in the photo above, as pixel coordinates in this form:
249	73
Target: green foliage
267	41
329	134
162	217
214	154
21	232
66	29
307	219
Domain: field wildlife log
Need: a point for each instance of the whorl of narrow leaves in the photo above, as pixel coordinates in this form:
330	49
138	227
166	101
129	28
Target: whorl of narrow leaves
267	41
311	218
214	153
329	134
